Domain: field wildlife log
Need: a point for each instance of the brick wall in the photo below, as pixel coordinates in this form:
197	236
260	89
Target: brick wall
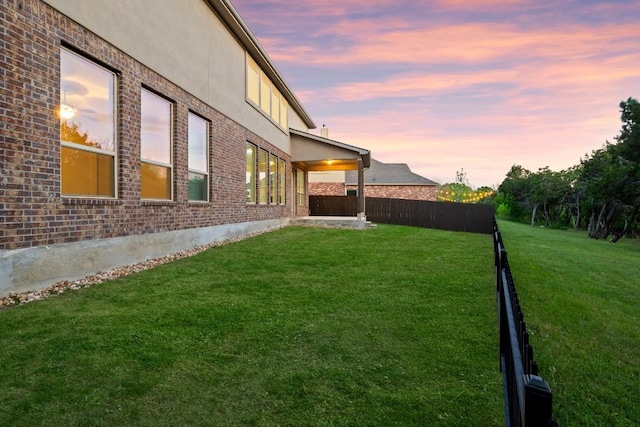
32	210
327	189
408	192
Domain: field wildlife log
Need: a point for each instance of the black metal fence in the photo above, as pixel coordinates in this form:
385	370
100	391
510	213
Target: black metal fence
417	213
528	398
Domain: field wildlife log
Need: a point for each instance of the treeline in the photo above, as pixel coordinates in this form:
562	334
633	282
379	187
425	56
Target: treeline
601	194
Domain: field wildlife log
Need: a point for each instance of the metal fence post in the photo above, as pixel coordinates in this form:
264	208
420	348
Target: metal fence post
537	402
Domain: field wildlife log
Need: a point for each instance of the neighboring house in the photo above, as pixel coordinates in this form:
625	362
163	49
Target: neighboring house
131	130
385	180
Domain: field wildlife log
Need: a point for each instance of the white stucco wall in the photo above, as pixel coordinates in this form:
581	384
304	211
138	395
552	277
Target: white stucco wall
185	42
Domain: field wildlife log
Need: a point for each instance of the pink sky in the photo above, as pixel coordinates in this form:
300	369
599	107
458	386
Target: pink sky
448	84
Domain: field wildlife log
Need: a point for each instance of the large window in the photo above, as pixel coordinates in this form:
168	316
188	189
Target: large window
251	173
300	188
87	127
155	150
265	95
198	158
263	176
282	183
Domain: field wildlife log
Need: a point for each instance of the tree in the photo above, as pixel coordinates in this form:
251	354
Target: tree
604	187
461	177
549	191
514	193
629	138
611	187
461	192
573	198
485	195
71	132
612	176
455	192
545	193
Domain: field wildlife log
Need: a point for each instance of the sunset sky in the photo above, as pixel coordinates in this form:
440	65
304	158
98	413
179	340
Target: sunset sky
448	84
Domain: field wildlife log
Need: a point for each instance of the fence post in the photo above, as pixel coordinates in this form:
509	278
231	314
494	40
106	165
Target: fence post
537	402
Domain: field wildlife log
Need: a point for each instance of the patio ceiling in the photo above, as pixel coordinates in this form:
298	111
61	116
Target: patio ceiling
315	153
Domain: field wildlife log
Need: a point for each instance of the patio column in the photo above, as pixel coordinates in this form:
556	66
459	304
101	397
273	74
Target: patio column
361	196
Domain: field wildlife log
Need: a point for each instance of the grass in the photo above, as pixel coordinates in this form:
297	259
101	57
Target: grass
581	301
297	327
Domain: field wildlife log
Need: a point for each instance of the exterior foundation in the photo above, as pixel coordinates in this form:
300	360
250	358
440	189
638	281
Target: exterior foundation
38	267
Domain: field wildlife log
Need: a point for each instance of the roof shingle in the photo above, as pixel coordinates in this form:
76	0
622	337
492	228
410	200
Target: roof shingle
388	174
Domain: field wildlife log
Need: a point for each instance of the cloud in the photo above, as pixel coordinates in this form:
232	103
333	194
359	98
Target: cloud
445	84
418	85
476	4
368	43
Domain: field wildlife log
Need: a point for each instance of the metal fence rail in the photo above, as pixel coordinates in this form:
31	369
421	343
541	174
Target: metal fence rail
528	398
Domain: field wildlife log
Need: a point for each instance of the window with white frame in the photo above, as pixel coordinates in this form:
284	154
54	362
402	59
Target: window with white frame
198	141
155	147
87	127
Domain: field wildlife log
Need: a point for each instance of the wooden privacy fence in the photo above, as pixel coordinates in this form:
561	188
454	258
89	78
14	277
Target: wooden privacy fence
528	398
417	213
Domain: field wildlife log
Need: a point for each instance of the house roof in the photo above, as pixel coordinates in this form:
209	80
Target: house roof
316	153
388	174
228	14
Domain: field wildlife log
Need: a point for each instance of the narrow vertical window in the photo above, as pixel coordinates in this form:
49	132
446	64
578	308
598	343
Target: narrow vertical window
275	104
253	80
251	173
155	147
282	184
273	177
300	188
263	176
87	128
283	112
198	158
265	93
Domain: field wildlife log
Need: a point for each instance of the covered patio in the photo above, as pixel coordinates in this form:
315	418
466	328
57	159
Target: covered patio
312	153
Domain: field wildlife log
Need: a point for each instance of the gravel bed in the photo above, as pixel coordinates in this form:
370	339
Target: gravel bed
19	298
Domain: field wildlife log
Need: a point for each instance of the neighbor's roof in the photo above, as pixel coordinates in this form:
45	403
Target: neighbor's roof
239	28
388	174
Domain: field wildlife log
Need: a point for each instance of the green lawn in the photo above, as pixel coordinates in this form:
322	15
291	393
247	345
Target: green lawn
581	301
297	327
